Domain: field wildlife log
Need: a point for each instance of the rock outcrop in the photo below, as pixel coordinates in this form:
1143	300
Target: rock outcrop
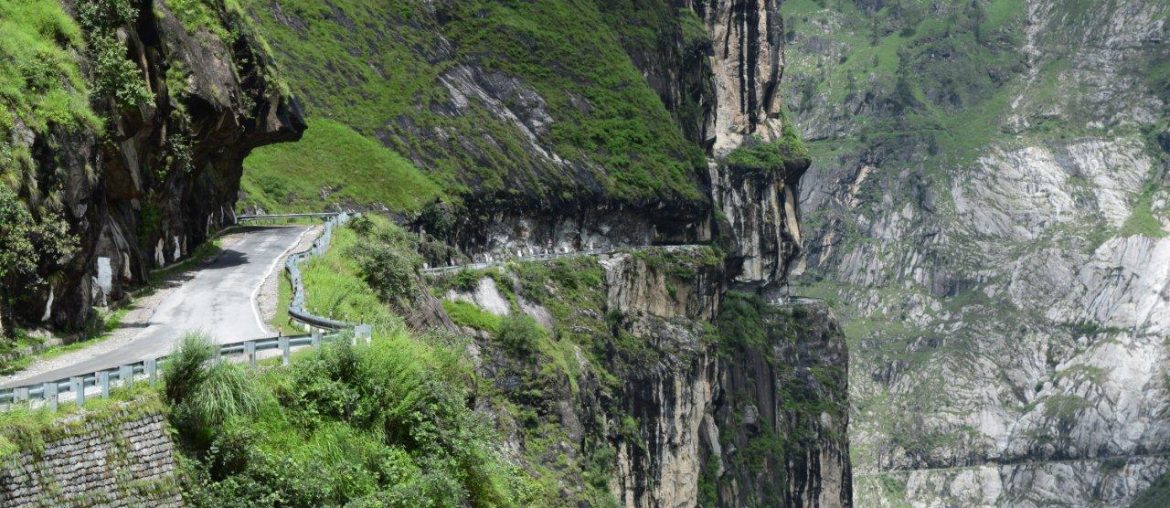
165	174
1005	286
756	412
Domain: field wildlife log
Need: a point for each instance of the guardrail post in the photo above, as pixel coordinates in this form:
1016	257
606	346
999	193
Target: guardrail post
364	332
79	390
316	339
126	375
20	394
284	349
250	350
50	395
152	370
103	383
218	355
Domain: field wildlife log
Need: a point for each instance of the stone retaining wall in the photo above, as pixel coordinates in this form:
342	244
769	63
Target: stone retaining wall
124	460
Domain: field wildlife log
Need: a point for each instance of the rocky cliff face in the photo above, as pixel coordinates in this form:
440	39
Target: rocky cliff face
686	395
667	391
165	172
1003	276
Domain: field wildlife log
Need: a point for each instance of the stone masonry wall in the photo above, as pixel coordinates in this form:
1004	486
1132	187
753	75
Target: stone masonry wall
123	460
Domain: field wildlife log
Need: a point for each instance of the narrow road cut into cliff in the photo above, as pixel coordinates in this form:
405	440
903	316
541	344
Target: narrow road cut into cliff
216	298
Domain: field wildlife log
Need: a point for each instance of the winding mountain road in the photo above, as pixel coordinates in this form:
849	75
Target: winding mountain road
217	298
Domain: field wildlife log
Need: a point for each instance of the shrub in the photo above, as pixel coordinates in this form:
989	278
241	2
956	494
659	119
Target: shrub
466	280
390	274
362	225
520	334
185	368
115	75
437	219
203	398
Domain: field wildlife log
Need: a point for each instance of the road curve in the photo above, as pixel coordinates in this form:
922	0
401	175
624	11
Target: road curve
217	298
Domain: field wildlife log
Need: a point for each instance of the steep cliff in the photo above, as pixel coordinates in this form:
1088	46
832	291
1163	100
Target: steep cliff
175	104
651	382
988	211
672	370
605	126
641	381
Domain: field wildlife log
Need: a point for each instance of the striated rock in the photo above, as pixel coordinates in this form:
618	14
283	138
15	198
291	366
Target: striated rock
747	64
1005	304
762	215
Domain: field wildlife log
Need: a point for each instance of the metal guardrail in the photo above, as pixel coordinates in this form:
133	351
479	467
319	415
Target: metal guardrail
250	217
124	375
76	386
296	306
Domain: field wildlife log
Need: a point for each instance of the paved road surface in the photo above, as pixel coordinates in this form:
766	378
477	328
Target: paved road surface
218	298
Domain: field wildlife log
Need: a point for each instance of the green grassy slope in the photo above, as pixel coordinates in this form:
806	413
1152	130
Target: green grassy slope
353	168
382	69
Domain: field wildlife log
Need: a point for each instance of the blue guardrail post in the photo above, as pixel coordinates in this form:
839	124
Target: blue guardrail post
50	395
284	350
104	383
126	375
250	350
364	333
79	390
152	370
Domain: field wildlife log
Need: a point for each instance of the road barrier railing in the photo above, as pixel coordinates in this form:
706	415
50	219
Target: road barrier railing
279	216
292	265
75	388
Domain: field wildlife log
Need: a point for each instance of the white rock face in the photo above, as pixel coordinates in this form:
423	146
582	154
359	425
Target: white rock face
747	63
486	295
1009	313
1019	194
1068	483
762	213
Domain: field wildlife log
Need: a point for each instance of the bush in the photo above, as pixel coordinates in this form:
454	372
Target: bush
520	334
387	261
185	368
203	398
362	225
386	271
437	219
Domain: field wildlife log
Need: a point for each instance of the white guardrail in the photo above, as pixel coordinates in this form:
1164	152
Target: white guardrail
99	383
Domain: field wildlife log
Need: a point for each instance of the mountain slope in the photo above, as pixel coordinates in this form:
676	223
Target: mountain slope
987	204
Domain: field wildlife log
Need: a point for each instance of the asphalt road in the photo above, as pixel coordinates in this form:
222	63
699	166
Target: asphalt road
217	298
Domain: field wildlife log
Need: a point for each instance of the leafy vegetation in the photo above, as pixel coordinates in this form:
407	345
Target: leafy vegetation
377	425
786	156
41	86
201	398
336	283
40	82
470	315
740	323
114	76
1141	220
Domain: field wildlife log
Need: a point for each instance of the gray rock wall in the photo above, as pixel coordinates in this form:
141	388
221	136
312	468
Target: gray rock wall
166	172
124	460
